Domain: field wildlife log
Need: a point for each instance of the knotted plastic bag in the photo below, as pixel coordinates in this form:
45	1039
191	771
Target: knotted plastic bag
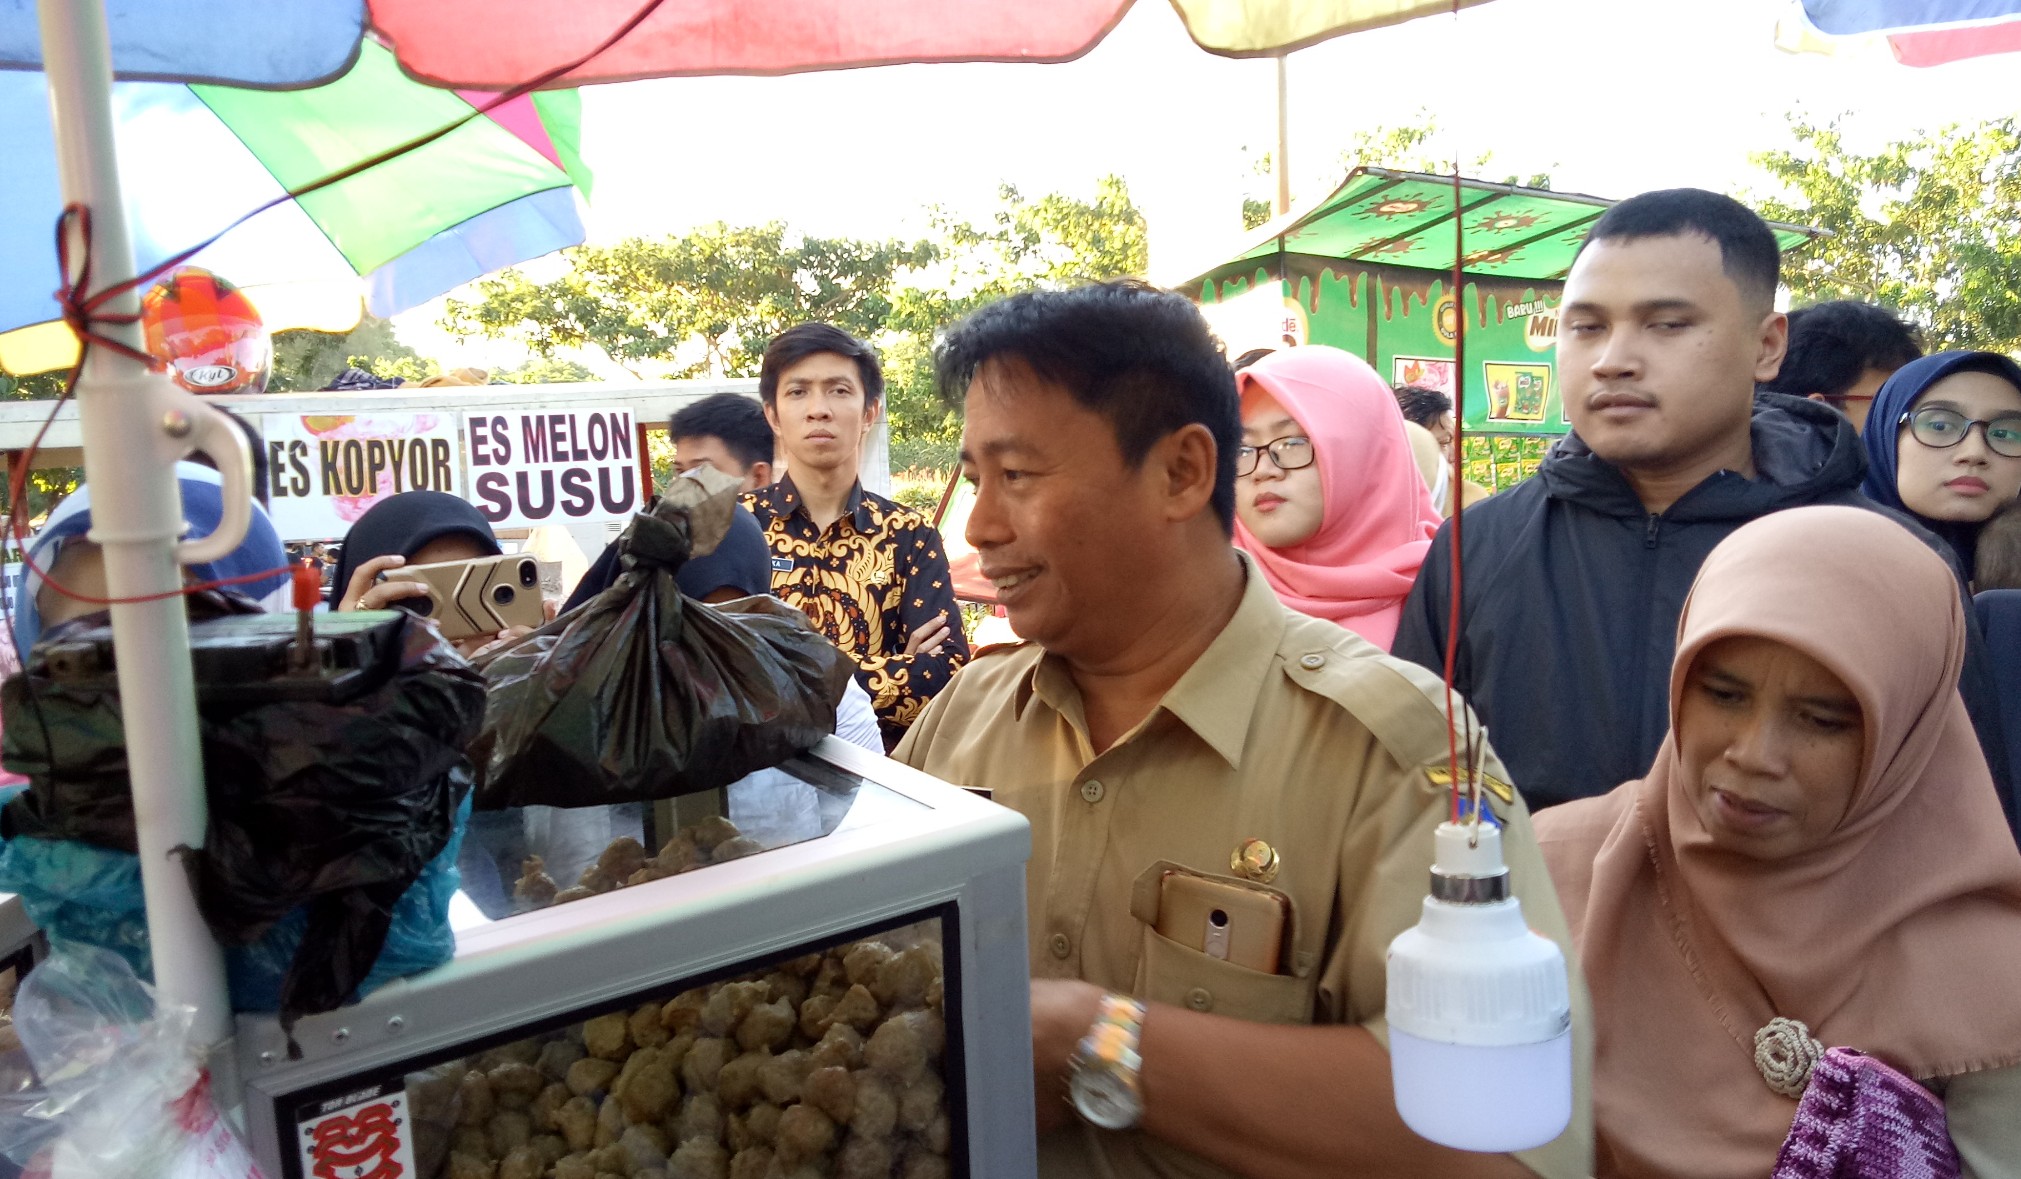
641	693
329	796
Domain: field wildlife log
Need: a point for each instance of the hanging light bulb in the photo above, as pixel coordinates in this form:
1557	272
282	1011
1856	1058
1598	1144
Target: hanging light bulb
1479	1008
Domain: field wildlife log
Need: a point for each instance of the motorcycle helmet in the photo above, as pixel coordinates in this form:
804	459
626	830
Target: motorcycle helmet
207	332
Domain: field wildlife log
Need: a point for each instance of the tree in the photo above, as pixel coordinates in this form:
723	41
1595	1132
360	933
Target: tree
1416	147
305	361
544	370
1930	226
704	303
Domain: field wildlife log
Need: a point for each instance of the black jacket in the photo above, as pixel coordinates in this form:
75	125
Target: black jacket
1573	592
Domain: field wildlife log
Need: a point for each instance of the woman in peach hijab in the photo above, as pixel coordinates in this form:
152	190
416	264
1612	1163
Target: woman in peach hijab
1817	860
1328	499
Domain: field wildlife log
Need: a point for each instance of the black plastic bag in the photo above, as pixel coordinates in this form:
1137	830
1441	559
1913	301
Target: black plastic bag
642	694
329	791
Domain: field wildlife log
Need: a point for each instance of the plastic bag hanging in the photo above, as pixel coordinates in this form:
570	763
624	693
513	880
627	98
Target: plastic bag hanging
644	694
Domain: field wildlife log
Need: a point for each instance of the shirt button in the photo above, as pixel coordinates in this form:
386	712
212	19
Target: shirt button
1312	662
1199	999
1091	791
1061	946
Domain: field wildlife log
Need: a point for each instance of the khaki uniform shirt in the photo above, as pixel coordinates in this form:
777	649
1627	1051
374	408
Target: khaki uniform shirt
1287	729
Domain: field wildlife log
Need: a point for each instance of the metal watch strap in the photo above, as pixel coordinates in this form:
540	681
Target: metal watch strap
1111	1042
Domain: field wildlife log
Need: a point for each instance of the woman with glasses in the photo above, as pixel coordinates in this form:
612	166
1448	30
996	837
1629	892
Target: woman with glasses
1944	444
1328	499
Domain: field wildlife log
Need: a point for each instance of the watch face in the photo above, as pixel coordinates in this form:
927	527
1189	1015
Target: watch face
1105	1099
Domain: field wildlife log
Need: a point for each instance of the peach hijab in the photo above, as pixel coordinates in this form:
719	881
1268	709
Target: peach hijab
1378	520
1899	936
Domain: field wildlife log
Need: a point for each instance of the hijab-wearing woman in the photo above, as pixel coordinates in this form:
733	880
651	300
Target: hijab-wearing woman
1819	840
1944	444
1328	498
412	528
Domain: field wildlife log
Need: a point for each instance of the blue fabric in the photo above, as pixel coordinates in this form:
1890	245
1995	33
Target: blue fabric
1843	17
1882	438
493	240
1999	614
202	508
79	893
274	43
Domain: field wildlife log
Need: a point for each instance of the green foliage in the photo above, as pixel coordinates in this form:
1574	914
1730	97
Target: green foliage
1930	226
701	304
46	487
1418	147
545	370
305	361
1255	212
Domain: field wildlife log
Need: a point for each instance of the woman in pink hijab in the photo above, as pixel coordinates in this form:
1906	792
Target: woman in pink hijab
1328	498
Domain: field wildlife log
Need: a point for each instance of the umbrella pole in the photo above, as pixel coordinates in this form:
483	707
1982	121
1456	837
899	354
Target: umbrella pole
127	414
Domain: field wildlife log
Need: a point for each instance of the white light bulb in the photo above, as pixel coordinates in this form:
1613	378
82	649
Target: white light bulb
1479	1009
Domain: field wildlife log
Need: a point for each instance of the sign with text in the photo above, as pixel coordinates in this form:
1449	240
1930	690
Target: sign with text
324	471
554	467
361	1135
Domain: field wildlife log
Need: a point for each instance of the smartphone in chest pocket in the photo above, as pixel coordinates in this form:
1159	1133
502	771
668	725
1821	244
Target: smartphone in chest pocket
1242	926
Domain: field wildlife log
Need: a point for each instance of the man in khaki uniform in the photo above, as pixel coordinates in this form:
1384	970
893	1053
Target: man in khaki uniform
1168	717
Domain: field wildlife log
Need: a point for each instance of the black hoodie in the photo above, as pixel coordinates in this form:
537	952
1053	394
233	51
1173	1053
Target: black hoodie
1573	593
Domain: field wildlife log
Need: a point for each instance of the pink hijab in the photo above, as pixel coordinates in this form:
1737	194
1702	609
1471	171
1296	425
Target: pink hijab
1378	518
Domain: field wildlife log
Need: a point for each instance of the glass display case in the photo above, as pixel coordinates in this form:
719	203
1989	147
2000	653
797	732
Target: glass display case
817	972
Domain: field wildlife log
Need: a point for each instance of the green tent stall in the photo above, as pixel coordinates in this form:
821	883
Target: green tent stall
1369	269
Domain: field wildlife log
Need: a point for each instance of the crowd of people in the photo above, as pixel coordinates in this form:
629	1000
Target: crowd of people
1734	705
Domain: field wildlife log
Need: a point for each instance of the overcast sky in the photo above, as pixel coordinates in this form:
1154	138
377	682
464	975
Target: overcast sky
1611	97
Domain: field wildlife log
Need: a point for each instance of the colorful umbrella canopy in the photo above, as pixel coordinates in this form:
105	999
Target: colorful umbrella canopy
499	44
1919	32
196	157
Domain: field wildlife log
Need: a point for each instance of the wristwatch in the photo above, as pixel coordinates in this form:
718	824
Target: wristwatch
1102	1082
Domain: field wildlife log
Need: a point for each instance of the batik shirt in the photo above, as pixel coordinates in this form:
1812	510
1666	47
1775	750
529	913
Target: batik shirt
867	582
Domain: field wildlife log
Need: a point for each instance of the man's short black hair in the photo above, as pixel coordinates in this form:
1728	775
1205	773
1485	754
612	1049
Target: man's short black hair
1832	344
1747	248
732	417
1421	405
797	343
1141	357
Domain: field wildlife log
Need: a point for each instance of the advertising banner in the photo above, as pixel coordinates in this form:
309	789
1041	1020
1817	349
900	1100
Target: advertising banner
553	467
325	470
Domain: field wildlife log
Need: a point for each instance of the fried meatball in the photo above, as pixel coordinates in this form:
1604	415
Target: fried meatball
814	1013
577	1122
784	1075
705	1062
858	1009
737	1085
939	1133
903	979
574	1166
622	858
644	1147
683	1012
650	1093
546	1105
679	855
645	1027
863	961
712	832
864	1158
515	1085
534	889
768	1025
699	1158
608	1037
753	1162
897	1050
921	1165
610	1126
517	1052
677	1049
920	1102
735	849
805	1133
876	1106
591	1075
577	893
936	995
832	1091
791	987
474	1100
729	1005
802	967
701	1117
556	1056
462	1166
830	978
474	1141
552	1148
842	1047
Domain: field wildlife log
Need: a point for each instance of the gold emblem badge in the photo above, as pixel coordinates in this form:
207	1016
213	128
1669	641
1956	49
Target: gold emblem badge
1442	777
1256	860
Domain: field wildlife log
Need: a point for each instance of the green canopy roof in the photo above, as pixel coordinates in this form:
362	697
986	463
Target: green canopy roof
1393	218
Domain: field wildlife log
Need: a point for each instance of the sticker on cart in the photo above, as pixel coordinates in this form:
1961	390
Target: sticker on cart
359	1135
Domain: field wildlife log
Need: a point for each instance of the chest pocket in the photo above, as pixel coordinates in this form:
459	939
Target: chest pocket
1169	972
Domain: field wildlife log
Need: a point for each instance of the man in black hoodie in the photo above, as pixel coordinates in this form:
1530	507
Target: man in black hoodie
1575	579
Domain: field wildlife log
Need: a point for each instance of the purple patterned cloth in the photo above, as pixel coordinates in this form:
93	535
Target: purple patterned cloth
1860	1119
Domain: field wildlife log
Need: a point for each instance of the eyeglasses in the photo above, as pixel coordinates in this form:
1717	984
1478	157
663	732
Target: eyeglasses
1288	453
1941	429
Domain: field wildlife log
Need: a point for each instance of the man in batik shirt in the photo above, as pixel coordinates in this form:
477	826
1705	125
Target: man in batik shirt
869	573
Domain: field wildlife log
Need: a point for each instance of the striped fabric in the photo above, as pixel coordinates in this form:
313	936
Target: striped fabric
1861	1119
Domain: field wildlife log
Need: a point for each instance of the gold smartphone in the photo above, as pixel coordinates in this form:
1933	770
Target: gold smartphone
1243	926
476	597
